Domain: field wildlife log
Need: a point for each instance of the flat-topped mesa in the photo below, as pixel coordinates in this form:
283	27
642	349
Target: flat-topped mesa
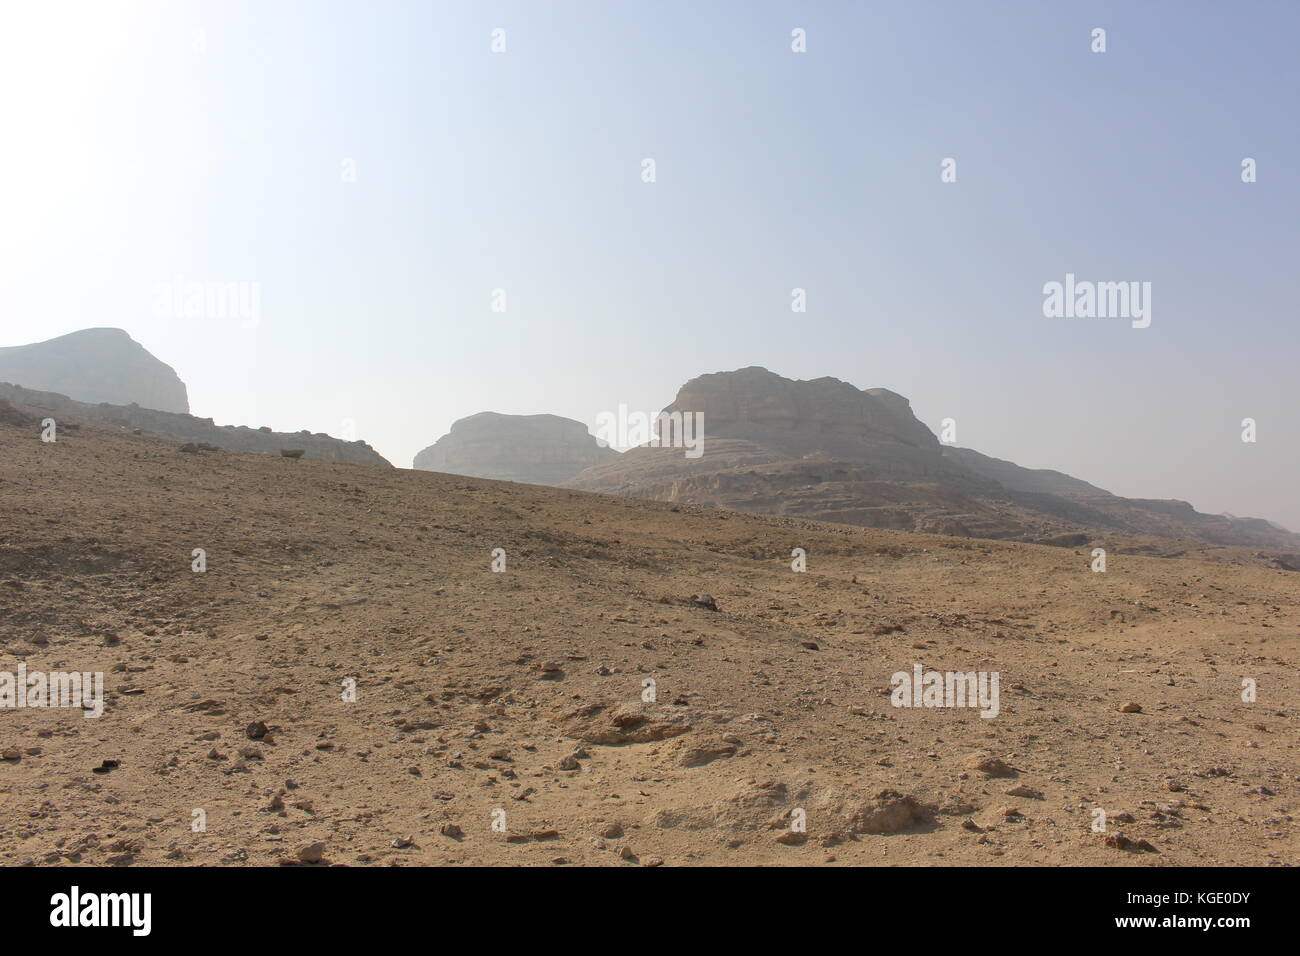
96	365
534	449
873	427
754	399
757	423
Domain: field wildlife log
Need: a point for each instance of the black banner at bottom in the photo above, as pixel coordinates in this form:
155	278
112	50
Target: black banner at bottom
171	905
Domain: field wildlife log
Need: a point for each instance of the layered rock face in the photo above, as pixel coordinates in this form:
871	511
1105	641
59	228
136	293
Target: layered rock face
822	416
820	449
824	449
96	365
38	405
534	449
752	417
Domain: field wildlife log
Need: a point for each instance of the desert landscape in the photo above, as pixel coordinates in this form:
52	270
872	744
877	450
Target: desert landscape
500	716
666	436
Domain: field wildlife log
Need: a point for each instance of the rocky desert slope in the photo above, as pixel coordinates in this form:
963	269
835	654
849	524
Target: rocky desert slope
535	449
190	429
517	697
96	365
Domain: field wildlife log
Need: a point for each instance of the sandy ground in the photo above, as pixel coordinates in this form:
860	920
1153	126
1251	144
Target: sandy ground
515	698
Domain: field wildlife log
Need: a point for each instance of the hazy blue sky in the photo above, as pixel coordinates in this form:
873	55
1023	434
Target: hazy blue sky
140	141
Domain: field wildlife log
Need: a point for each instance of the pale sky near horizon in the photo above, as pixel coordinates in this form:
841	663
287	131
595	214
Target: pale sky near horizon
141	141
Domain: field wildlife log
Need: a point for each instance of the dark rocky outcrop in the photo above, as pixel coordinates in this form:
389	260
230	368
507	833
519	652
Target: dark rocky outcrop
96	365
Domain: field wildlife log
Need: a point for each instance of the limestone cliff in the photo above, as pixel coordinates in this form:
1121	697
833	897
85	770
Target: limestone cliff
96	365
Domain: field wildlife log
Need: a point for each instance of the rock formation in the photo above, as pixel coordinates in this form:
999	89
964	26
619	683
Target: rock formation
535	449
798	418
96	365
827	450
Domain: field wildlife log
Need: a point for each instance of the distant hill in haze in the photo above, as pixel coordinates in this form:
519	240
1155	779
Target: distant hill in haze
534	449
96	365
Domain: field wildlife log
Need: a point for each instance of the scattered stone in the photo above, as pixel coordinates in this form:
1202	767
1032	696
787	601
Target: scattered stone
699	753
888	812
1131	708
634	723
705	601
312	853
418	720
990	766
1118	841
1020	790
